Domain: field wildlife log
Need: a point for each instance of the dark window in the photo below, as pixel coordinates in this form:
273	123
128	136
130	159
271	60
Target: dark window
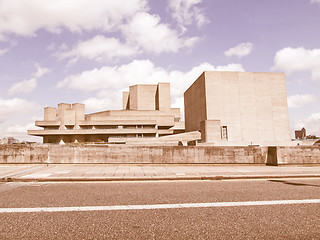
224	132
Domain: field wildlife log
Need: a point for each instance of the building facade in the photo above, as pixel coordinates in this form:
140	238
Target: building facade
146	113
236	108
300	134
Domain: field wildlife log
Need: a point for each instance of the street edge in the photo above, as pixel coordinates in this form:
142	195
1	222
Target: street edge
119	179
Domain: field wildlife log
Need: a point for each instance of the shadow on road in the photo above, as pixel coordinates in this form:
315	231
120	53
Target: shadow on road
294	184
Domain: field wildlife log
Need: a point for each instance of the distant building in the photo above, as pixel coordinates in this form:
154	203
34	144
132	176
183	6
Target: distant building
236	108
300	134
146	113
8	140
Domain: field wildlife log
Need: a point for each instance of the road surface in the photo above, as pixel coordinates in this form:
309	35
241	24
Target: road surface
236	209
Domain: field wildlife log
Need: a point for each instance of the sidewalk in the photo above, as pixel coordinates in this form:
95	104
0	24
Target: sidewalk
117	172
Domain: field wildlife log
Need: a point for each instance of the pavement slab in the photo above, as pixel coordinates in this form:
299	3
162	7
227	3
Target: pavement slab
122	172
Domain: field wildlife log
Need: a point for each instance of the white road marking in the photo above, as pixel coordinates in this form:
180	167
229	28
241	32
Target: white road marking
37	175
156	206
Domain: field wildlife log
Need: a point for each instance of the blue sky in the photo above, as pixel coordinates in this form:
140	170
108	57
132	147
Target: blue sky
89	51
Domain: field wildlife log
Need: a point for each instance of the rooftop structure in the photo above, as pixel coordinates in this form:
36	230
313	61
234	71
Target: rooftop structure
146	113
238	108
300	134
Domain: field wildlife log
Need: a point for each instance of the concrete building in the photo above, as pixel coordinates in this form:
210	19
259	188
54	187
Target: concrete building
238	108
300	134
9	140
146	113
227	108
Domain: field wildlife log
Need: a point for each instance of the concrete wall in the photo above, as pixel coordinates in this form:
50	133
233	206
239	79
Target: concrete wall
195	105
62	108
143	97
67	114
23	153
133	97
163	98
79	109
176	113
50	114
159	154
148	97
130	154
253	106
125	100
298	155
210	130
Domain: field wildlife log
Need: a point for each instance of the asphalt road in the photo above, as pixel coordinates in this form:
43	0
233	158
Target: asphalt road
285	221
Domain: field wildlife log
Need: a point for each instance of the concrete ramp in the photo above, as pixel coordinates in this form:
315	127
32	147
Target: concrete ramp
170	140
188	136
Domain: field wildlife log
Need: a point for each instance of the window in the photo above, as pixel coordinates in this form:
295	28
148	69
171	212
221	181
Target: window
224	132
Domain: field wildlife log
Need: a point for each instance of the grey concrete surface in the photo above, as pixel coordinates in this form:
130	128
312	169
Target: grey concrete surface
123	172
247	222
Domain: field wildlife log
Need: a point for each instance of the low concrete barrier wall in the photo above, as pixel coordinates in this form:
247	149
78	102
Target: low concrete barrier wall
159	154
298	155
23	153
131	154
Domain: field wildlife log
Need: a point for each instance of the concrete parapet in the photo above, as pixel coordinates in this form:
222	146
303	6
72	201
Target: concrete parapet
24	153
298	155
130	154
285	155
125	154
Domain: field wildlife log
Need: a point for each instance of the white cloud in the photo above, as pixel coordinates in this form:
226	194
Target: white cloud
241	50
146	31
111	81
27	17
296	101
40	71
236	67
311	124
186	12
20	129
315	1
99	48
51	46
298	59
141	30
13	107
111	101
26	86
137	71
3	51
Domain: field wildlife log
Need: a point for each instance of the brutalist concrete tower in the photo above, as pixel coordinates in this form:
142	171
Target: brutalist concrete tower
236	108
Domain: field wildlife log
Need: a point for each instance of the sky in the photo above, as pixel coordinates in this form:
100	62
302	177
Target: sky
89	51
